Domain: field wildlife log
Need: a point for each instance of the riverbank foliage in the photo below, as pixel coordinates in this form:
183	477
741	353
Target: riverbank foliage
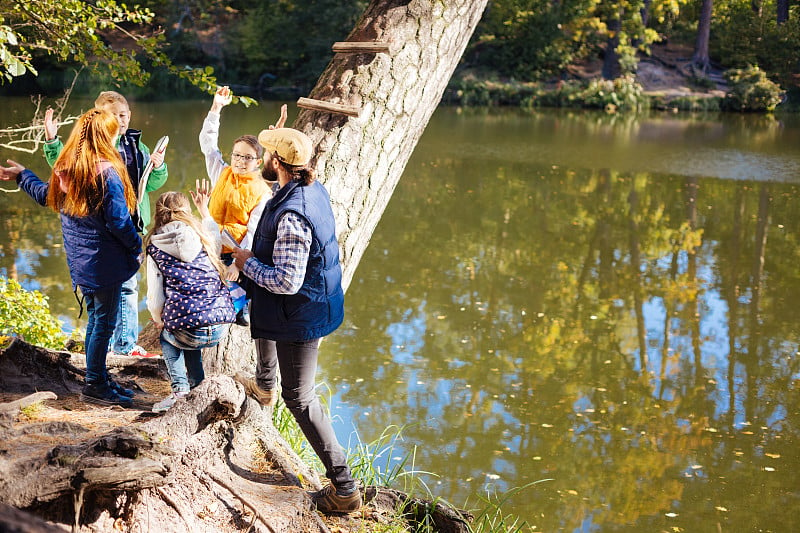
751	90
622	93
278	49
26	314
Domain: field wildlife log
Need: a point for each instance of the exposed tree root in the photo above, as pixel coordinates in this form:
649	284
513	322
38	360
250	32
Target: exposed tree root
212	463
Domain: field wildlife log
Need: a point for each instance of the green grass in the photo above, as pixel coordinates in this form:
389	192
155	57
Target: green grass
378	463
492	519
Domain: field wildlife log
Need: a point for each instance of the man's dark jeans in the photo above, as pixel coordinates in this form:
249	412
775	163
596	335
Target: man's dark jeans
298	367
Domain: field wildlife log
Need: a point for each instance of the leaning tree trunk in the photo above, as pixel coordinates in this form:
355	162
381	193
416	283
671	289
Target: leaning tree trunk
360	159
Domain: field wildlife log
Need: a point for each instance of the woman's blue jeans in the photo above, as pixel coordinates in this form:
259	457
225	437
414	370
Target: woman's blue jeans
182	350
102	307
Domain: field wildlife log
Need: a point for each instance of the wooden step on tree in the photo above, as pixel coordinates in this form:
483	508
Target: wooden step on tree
345	47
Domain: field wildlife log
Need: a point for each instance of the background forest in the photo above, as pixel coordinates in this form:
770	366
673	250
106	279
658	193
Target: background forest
278	48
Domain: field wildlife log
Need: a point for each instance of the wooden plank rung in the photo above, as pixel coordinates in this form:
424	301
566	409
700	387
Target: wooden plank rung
319	105
360	47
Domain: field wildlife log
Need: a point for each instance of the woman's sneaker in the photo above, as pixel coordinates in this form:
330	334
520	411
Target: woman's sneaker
102	394
169	401
328	501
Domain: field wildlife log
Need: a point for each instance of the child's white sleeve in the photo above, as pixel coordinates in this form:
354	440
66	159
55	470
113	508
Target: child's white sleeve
212	228
209	145
155	290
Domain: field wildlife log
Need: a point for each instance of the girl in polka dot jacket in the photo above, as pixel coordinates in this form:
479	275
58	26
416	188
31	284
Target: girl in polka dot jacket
186	291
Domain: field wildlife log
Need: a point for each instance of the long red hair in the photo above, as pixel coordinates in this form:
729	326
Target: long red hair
76	184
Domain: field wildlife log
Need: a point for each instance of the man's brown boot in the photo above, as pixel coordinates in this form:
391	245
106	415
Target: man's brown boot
267	398
327	501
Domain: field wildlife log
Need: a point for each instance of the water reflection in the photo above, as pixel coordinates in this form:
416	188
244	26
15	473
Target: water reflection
626	334
570	297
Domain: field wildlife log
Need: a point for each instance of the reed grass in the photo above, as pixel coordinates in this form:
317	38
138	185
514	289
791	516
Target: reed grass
378	463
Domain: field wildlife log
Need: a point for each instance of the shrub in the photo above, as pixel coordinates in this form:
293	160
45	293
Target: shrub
621	94
472	92
26	314
751	90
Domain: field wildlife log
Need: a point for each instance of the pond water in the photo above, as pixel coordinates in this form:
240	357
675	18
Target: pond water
605	305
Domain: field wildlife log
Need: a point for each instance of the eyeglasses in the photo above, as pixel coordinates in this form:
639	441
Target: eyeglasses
243	157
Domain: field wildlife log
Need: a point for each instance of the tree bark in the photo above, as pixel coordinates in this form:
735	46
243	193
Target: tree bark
700	57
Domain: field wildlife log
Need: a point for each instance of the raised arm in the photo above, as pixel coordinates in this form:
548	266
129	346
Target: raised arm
209	135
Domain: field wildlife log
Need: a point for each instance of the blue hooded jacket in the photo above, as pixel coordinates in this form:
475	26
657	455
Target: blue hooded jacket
103	247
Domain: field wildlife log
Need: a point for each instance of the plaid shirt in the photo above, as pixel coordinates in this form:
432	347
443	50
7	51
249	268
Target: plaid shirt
290	256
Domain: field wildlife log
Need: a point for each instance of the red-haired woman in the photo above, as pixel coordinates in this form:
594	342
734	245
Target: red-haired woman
95	203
